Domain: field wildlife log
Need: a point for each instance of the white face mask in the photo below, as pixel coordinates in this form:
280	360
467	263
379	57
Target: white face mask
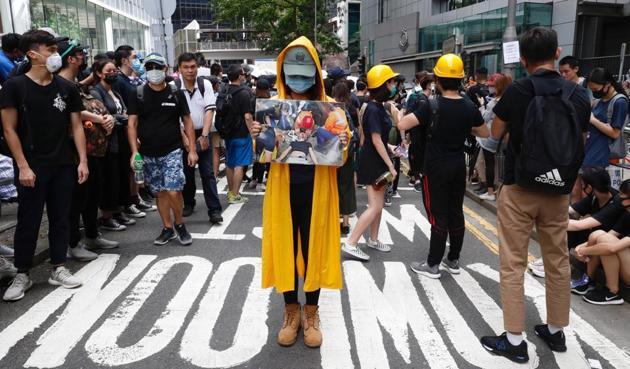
53	62
156	76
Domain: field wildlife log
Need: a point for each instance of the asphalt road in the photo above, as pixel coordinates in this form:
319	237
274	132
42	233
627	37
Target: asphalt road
144	306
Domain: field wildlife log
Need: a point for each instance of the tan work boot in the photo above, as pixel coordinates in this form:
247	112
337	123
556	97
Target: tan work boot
310	322
292	317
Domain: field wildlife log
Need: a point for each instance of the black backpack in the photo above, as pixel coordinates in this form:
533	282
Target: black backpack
552	148
173	87
227	121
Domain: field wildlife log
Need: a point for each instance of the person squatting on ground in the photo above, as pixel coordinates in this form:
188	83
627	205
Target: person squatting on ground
296	198
201	102
612	251
601	209
536	191
375	161
154	115
38	108
450	118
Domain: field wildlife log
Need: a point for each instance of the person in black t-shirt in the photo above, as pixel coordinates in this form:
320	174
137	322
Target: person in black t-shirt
600	210
38	108
154	123
612	250
238	146
518	209
444	164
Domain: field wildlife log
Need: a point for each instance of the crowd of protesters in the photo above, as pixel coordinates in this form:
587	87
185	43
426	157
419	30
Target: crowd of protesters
123	137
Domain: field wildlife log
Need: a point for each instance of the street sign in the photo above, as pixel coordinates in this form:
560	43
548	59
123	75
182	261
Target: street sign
160	9
511	52
448	45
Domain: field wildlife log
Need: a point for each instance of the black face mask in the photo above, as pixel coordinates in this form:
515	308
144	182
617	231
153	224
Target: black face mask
110	78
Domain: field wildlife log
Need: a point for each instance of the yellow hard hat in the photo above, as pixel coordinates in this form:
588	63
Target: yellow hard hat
449	66
378	75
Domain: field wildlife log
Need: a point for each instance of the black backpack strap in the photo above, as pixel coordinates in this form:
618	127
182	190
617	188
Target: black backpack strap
178	84
434	107
140	93
201	85
568	89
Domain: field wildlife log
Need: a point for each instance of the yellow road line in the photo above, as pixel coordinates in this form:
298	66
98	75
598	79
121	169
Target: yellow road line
492	246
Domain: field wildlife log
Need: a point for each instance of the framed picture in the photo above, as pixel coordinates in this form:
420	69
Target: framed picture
300	132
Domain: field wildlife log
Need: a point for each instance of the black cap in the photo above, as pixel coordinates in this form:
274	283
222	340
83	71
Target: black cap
263	84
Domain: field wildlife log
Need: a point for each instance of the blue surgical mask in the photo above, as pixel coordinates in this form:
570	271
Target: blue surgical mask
300	84
137	67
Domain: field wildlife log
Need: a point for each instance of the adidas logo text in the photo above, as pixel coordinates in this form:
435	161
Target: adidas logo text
552	177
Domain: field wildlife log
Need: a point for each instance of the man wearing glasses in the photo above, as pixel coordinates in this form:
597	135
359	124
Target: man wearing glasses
154	113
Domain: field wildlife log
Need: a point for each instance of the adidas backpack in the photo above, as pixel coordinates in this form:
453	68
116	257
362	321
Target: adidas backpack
552	149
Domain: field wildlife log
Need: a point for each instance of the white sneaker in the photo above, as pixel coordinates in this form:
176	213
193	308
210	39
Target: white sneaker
6	251
486	196
6	268
21	283
378	245
100	243
81	253
62	277
354	251
537	267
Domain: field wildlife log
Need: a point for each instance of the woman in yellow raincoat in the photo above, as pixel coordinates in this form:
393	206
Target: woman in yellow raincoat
301	210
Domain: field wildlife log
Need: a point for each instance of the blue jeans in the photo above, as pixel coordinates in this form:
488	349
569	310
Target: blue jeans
208	181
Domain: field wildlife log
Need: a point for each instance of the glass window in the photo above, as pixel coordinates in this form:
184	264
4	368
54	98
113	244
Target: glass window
38	18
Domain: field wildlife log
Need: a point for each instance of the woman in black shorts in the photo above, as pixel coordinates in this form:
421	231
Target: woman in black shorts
374	160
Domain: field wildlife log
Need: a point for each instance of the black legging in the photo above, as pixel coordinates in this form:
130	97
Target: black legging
396	161
489	158
301	197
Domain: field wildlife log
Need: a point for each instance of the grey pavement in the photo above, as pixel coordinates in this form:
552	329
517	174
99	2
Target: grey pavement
208	310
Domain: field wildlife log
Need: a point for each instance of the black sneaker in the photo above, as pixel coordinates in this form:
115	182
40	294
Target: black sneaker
183	235
556	341
132	211
500	345
345	230
111	224
188	210
215	217
145	206
583	289
603	297
124	220
165	237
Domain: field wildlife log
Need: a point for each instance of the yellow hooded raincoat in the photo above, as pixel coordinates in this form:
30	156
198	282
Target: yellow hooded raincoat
324	259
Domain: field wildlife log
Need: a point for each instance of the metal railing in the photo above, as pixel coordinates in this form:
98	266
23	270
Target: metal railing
230	45
610	63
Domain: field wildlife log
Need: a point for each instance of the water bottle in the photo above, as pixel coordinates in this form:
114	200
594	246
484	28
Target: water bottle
138	171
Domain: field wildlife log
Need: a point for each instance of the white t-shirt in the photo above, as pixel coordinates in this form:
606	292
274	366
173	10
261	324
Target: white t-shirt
199	104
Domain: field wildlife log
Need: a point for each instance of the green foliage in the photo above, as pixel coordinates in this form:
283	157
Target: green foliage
278	22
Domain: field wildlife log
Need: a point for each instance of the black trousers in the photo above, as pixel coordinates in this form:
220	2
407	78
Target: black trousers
54	186
443	195
85	200
301	198
208	181
259	171
396	161
489	159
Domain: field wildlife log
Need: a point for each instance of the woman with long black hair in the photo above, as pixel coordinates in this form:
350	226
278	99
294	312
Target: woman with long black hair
610	110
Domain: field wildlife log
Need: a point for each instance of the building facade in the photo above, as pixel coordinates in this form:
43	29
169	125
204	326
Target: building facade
410	35
101	24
